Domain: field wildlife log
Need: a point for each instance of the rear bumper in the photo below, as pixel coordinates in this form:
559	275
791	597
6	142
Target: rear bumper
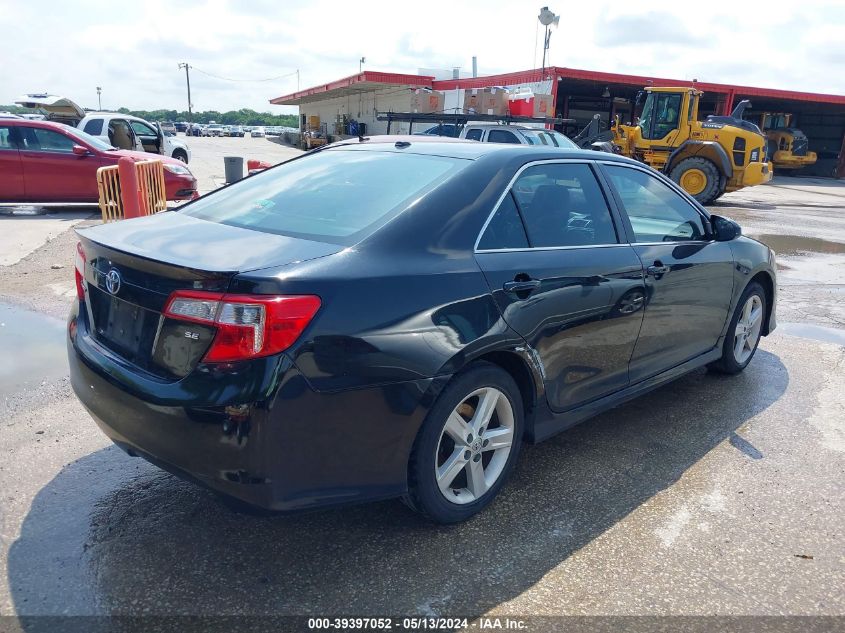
263	436
757	174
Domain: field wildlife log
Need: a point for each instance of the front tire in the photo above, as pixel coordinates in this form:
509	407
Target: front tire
744	332
467	445
180	155
699	177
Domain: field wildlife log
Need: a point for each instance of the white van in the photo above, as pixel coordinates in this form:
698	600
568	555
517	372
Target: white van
123	131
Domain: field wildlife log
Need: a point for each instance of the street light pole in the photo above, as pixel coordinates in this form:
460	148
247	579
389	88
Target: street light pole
99	100
187	66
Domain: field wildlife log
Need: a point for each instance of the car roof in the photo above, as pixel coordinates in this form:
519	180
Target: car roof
507	127
465	148
50	125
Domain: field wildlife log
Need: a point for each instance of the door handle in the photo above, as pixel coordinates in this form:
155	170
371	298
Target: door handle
657	269
516	287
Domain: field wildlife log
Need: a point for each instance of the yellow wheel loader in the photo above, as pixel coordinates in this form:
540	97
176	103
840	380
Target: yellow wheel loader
787	146
706	158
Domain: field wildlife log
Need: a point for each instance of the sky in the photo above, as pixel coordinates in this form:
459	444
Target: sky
132	49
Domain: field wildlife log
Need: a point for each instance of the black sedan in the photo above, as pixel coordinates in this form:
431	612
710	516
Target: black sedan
395	316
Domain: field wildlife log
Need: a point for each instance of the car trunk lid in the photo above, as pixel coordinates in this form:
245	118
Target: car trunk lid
132	267
54	106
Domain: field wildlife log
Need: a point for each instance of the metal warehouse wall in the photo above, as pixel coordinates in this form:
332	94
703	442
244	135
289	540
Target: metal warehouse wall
363	107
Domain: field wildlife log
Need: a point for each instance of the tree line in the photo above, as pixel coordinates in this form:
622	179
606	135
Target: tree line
244	116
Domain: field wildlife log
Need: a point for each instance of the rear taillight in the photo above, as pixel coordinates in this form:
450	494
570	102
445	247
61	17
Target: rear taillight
79	264
248	326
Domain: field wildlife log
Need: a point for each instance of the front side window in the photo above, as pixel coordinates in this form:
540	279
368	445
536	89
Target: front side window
142	129
94	141
501	136
562	204
474	134
43	140
548	137
338	196
657	212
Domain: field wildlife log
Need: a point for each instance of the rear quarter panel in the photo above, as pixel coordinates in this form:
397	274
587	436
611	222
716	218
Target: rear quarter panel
409	302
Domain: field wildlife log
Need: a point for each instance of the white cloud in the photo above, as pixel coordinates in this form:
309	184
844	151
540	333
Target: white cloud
132	49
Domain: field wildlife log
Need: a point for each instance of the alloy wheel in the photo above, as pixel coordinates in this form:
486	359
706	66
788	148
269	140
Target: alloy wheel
747	331
474	445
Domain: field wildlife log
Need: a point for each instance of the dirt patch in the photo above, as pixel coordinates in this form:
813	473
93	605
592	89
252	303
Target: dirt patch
43	280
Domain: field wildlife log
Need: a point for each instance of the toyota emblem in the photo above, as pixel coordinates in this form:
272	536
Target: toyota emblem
113	281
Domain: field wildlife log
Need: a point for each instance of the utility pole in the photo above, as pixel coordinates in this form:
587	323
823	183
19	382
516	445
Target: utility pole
547	19
99	101
361	63
186	66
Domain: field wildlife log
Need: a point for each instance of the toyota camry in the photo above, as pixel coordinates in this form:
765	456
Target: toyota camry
393	317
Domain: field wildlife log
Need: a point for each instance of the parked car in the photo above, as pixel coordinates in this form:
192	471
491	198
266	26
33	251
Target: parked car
194	129
123	131
396	316
215	129
9	115
515	134
441	129
235	130
182	126
42	161
168	127
257	132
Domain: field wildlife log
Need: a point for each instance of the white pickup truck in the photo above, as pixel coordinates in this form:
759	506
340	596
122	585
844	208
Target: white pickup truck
123	131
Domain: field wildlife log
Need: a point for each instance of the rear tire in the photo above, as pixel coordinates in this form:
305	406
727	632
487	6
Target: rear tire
699	177
744	332
467	445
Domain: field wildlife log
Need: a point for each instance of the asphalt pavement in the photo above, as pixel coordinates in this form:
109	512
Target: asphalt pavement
711	496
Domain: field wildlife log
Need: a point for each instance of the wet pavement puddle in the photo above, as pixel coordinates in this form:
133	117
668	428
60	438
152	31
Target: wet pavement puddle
32	346
792	245
814	332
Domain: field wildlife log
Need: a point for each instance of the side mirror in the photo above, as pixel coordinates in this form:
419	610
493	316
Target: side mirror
724	230
81	151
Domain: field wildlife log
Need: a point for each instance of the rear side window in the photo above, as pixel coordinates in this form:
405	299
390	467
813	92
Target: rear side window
474	135
657	212
337	196
502	136
505	229
94	127
562	204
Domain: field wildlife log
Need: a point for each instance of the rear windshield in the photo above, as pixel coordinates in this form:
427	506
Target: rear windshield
331	196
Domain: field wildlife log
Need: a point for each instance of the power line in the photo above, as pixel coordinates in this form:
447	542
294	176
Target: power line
199	70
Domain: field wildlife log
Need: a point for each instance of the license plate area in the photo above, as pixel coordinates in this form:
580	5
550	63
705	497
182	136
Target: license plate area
125	328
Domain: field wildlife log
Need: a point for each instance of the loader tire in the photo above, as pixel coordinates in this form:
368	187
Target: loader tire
698	177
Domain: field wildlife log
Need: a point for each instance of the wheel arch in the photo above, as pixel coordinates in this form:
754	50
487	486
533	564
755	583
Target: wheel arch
710	150
765	280
524	367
